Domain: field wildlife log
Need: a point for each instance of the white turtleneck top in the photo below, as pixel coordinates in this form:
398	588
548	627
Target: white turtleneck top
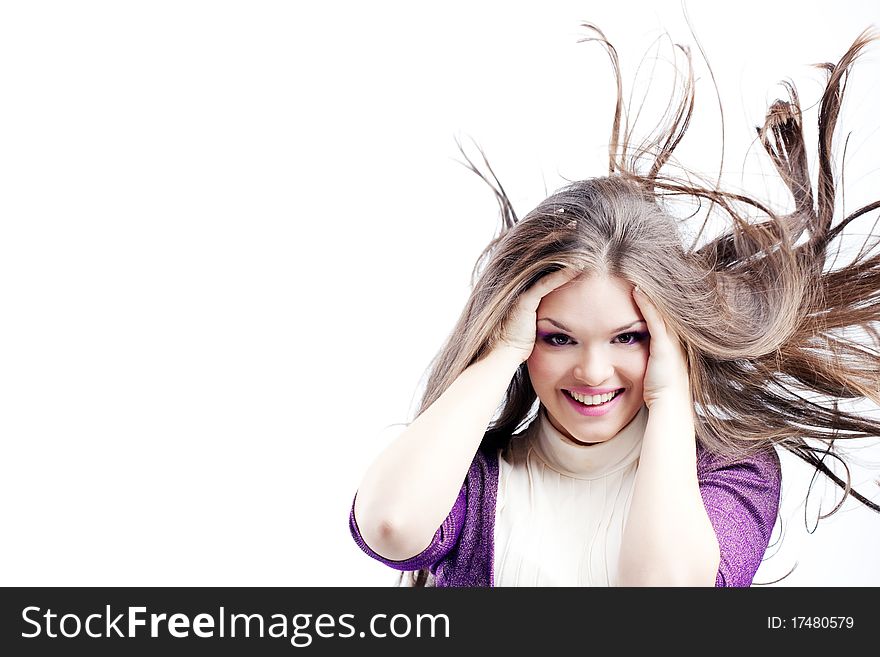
562	507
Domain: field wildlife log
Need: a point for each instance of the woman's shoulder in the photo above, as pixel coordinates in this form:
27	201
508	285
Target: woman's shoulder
759	466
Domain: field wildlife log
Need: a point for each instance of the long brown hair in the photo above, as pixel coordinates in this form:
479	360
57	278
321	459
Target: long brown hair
767	324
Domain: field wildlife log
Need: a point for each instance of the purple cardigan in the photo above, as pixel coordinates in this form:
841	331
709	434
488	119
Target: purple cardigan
741	500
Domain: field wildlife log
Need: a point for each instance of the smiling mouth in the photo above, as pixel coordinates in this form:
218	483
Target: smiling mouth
591	405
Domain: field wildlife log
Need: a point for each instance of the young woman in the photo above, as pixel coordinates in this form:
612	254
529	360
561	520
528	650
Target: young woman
607	408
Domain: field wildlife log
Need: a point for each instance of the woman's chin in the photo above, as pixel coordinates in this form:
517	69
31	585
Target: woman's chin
592	429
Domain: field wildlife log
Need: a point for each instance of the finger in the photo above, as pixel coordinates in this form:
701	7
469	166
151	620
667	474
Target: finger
546	284
656	325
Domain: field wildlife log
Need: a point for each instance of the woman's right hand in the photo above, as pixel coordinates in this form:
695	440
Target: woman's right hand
519	331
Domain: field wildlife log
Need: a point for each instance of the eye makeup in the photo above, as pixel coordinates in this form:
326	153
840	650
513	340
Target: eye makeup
638	336
551	339
556	339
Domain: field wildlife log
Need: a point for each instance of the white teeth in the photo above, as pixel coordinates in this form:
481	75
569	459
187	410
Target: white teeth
592	400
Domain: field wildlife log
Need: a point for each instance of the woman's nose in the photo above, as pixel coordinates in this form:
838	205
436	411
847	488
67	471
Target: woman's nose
594	368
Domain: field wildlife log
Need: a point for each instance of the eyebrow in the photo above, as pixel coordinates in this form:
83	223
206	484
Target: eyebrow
617	330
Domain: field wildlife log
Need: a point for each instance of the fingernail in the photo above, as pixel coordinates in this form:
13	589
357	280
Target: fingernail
637	289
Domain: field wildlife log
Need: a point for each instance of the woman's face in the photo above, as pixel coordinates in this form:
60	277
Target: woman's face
591	337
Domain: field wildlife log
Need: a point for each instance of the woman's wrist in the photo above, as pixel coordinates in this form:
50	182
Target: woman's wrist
671	419
505	354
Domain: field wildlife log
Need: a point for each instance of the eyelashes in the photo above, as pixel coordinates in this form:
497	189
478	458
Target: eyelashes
555	339
562	340
637	336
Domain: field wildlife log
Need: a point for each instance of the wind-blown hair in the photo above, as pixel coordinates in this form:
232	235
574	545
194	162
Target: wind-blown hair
766	321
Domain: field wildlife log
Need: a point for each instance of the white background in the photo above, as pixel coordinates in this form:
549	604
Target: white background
234	235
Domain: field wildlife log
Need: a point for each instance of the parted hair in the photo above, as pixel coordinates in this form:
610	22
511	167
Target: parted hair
777	335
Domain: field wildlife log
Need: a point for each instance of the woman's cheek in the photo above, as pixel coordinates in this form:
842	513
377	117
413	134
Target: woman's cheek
536	368
544	369
639	366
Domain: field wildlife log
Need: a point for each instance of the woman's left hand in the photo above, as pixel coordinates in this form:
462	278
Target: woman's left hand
667	374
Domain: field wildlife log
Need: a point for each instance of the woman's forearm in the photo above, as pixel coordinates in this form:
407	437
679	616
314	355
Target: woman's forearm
668	539
410	488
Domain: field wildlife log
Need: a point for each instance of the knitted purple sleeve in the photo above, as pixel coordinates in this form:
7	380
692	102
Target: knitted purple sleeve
444	539
742	500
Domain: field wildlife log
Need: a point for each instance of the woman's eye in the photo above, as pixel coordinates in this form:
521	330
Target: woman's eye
557	339
631	338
